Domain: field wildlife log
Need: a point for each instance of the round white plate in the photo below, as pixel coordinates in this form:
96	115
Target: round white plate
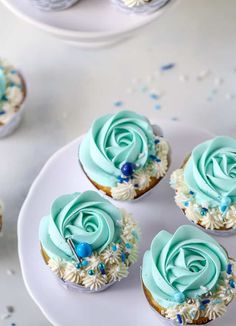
124	302
89	23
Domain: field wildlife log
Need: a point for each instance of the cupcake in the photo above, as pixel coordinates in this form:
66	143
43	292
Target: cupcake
188	277
51	5
12	96
139	6
123	155
88	242
206	185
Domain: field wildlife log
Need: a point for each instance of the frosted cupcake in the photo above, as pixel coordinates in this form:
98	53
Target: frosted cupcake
123	155
188	277
206	185
12	96
88	242
139	6
52	5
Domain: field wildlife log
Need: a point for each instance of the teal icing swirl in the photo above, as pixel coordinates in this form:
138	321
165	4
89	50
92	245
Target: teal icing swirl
82	217
114	140
184	263
211	171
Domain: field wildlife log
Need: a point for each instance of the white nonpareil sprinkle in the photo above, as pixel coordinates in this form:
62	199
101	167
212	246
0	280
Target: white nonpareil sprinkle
203	74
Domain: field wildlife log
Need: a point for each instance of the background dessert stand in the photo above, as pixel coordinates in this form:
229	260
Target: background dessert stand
124	302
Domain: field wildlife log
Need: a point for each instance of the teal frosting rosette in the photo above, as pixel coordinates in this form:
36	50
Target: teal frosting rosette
112	141
87	241
83	218
211	172
185	265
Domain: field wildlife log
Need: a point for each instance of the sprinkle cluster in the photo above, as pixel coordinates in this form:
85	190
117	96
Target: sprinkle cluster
111	265
213	218
134	178
211	304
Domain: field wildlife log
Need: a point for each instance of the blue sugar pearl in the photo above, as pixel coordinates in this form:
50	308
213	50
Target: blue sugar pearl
101	266
84	263
114	248
123	257
157	141
83	249
179	318
179	297
232	284
2	112
91	272
186	203
128	245
191	192
120	179
127	169
203	211
229	269
157	160
205	301
78	265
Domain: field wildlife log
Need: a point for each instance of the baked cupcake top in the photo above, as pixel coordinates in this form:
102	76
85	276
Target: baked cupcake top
189	275
12	91
87	240
121	151
206	184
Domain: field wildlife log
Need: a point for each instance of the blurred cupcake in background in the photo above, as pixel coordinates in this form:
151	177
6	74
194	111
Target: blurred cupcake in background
12	96
206	186
187	277
88	242
139	6
53	5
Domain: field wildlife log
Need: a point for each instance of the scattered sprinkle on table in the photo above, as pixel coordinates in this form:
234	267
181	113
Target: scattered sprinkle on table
118	103
167	66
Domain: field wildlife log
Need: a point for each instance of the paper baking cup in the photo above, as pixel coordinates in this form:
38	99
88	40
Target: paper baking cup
218	233
13	124
147	8
50	5
80	288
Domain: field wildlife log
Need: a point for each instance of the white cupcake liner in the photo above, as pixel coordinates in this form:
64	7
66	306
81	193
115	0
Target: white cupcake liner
12	125
82	289
52	5
147	8
219	233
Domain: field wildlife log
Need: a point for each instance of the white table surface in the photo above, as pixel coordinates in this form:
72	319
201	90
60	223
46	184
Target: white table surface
68	87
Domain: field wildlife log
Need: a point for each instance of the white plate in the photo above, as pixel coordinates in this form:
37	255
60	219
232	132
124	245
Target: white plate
89	23
124	302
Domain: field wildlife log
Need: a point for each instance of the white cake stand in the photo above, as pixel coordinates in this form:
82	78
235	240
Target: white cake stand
124	302
88	24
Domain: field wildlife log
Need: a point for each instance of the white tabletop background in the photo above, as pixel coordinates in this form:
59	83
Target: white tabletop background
68	87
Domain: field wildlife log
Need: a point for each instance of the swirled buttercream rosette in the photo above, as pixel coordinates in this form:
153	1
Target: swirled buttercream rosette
188	277
123	155
12	97
206	186
88	242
